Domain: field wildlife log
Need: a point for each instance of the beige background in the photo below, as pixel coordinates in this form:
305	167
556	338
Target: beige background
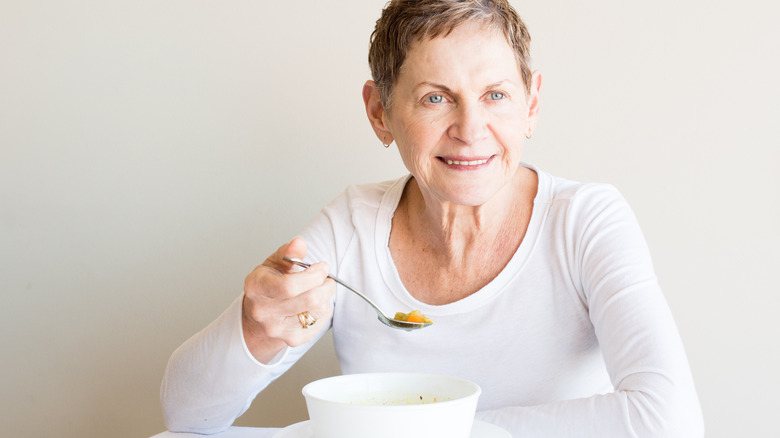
152	153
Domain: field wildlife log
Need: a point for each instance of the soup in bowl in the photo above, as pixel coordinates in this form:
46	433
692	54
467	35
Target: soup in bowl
385	405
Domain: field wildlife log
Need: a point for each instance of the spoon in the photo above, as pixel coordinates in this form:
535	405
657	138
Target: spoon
386	320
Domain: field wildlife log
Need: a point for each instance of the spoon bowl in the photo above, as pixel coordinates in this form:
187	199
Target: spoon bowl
382	316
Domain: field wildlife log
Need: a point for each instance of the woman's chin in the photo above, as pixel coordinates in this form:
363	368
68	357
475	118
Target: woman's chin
473	191
467	196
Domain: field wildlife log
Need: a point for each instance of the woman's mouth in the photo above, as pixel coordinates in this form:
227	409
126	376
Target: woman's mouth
465	162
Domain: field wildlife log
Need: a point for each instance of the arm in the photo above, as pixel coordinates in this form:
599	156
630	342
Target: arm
214	376
653	394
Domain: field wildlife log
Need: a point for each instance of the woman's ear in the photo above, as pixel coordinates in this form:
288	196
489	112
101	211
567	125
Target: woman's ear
376	113
533	101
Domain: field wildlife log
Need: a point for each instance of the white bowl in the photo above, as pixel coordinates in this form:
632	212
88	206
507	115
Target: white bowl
389	405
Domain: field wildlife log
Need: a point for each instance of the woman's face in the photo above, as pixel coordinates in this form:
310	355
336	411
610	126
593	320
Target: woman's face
460	114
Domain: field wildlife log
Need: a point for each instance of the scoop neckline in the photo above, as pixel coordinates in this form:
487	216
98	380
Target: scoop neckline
490	291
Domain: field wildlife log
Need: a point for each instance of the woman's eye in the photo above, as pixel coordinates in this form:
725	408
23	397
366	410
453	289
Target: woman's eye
435	98
496	95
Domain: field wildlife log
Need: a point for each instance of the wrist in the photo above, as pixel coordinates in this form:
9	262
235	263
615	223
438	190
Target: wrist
262	347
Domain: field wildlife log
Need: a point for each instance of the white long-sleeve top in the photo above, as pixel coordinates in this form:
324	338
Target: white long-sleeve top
572	338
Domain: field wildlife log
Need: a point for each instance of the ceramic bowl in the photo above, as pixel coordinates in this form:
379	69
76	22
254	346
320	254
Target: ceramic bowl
389	405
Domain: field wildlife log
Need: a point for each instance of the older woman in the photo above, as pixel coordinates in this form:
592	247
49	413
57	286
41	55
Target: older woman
542	289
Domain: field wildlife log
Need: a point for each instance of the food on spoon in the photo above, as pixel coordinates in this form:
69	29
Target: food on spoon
413	316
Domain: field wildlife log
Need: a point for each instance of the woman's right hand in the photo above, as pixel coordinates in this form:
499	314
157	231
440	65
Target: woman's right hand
275	293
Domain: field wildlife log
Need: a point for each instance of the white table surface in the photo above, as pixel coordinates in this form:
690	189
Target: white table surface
233	432
480	429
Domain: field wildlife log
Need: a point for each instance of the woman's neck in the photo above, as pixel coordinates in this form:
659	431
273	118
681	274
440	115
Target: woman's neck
451	228
439	249
453	232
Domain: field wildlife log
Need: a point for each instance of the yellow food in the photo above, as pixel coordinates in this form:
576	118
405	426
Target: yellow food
413	316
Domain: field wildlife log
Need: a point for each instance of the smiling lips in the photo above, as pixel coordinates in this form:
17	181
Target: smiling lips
464	162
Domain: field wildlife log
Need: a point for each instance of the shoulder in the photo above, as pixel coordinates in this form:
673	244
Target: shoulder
582	207
575	196
566	190
371	196
351	214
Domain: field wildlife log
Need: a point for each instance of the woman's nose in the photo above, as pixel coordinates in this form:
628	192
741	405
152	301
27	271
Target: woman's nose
469	124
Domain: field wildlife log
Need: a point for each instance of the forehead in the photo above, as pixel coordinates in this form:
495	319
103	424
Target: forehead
471	49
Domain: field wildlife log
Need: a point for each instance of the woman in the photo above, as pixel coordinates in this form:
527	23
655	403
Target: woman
541	289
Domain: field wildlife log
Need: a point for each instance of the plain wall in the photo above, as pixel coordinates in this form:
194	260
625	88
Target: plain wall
153	153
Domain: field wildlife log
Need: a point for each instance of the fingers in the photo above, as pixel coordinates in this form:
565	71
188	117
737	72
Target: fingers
281	318
278	278
277	318
295	249
285	285
276	292
315	301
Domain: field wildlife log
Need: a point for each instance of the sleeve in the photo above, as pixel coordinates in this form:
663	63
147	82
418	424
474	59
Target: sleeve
654	393
212	378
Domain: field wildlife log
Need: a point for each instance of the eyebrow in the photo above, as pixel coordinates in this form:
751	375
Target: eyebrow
432	84
448	90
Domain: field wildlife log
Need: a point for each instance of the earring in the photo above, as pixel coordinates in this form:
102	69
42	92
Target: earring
387	145
528	135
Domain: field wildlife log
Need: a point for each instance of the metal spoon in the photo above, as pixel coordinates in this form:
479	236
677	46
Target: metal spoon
386	320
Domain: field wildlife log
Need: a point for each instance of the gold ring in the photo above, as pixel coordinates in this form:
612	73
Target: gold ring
306	319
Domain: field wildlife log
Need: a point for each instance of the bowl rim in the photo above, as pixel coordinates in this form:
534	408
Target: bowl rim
475	394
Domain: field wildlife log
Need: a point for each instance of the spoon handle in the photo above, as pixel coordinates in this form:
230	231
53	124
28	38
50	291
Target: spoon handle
339	281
